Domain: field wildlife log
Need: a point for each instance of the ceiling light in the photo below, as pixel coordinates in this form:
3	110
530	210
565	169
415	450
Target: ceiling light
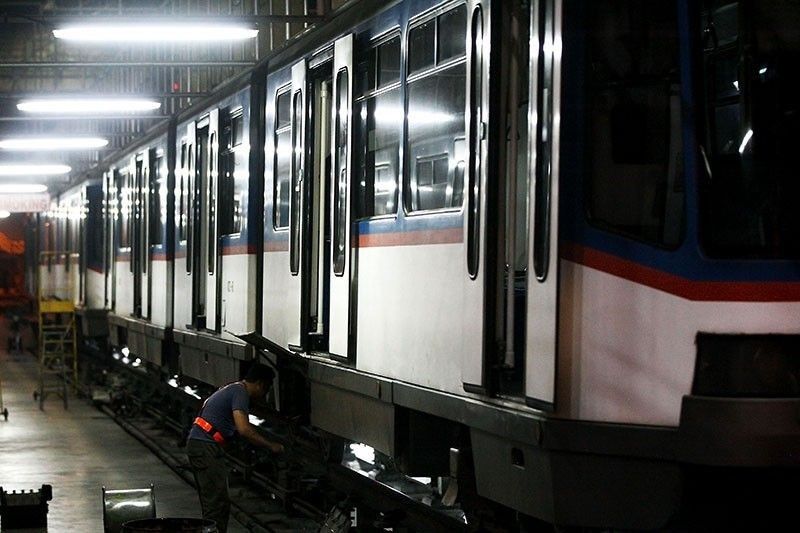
33	170
154	33
87	105
21	188
4	214
52	143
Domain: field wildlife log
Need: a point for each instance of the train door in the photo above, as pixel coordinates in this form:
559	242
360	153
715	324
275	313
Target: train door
199	229
294	307
543	169
315	264
140	246
109	212
342	269
209	215
474	365
191	216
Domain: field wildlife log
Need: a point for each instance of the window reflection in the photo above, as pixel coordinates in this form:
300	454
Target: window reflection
283	153
436	139
750	53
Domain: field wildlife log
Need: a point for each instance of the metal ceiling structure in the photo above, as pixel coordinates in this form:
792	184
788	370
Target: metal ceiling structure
34	63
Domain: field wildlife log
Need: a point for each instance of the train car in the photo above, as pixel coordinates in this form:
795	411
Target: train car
217	227
546	249
81	211
138	284
546	244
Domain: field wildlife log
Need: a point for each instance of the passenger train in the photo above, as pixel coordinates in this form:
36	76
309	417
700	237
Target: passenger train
548	248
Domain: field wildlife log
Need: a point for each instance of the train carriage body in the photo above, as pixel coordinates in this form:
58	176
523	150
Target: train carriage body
217	227
512	221
545	247
139	285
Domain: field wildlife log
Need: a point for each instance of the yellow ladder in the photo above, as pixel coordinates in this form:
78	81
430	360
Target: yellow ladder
57	334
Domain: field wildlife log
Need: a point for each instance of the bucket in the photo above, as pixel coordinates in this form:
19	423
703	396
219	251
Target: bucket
181	525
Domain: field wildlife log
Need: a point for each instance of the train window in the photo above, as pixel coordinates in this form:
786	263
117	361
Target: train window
451	36
749	52
340	165
182	200
283	154
435	143
634	179
213	228
421	47
296	181
229	202
125	210
191	208
157	185
237	130
377	132
388	58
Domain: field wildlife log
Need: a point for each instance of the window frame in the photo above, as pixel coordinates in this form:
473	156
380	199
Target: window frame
436	68
374	92
609	228
341	207
229	151
285	89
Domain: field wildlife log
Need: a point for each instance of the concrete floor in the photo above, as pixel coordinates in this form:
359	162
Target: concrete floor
77	452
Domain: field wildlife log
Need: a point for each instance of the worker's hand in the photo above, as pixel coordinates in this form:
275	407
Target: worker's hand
276	448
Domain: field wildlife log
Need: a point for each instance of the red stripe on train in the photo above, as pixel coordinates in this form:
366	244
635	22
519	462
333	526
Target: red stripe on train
411	238
702	291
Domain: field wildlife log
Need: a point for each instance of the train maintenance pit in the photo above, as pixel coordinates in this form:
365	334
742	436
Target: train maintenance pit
405	265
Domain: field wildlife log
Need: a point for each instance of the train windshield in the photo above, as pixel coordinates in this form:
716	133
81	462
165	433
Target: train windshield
750	59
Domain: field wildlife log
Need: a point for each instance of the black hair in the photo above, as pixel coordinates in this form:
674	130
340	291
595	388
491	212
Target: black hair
261	373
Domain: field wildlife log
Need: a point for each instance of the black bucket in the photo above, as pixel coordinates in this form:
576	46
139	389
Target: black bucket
177	525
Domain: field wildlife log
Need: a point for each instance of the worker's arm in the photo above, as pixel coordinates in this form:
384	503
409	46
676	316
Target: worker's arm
248	431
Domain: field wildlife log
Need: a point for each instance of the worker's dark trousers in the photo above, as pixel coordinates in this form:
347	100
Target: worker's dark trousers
211	477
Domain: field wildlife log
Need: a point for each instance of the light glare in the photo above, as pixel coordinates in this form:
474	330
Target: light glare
52	143
5	214
33	170
87	105
143	33
21	188
745	141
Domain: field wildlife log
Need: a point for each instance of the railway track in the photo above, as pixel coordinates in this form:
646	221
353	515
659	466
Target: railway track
303	490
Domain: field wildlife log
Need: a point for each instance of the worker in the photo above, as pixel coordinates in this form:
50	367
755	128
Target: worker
223	417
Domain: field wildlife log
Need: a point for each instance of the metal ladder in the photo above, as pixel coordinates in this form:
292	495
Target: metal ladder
57	336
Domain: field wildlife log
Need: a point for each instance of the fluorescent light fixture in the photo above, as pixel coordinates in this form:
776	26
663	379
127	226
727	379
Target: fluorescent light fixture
21	188
156	32
745	141
33	170
91	106
4	214
29	144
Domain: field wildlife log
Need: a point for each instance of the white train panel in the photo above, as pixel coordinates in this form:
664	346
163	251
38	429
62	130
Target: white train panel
182	308
95	289
414	328
238	301
159	271
124	285
275	324
628	350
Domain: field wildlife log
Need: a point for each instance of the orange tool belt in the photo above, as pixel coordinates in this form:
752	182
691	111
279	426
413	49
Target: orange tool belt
208	428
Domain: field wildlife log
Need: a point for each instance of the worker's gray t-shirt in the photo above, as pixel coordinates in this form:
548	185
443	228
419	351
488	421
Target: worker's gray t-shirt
218	411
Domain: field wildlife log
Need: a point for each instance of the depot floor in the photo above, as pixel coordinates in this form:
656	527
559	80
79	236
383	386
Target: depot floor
77	451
